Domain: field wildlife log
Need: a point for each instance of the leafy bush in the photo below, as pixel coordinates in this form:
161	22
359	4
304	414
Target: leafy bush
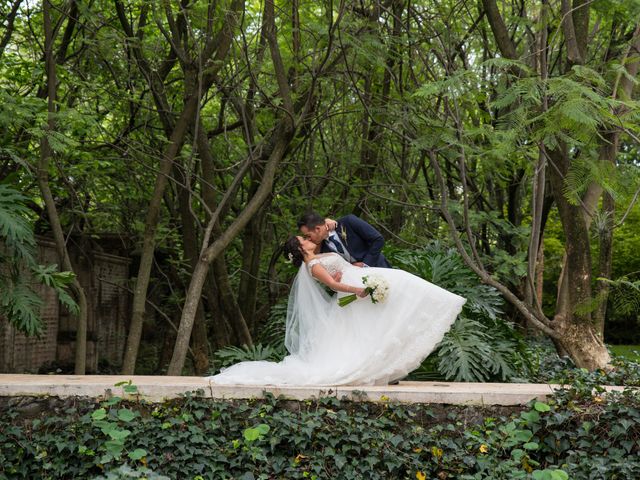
272	332
548	367
481	345
227	356
269	345
580	433
18	301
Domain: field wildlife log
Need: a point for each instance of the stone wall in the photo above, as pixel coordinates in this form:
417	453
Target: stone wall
103	277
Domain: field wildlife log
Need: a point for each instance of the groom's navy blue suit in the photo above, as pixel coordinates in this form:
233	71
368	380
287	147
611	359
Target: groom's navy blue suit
363	242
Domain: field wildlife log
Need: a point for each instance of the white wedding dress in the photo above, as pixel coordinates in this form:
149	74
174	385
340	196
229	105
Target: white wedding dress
360	344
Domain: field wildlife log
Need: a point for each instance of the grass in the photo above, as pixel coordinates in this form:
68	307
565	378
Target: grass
630	352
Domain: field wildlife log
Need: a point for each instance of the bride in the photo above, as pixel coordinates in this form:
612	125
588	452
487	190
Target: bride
362	343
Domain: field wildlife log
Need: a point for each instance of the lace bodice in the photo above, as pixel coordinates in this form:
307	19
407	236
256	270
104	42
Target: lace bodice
332	262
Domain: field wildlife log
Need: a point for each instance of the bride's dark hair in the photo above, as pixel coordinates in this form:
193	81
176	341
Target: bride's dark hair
292	251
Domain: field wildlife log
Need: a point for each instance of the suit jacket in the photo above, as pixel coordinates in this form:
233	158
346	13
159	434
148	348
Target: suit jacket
363	242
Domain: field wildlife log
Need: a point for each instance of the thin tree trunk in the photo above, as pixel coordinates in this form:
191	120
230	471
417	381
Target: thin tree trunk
210	253
533	292
623	88
8	28
200	345
211	64
605	261
228	300
150	226
252	248
43	183
500	32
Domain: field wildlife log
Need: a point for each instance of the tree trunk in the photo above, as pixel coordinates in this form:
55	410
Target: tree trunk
228	301
252	248
52	213
611	139
200	345
282	141
574	309
605	260
585	346
150	226
11	17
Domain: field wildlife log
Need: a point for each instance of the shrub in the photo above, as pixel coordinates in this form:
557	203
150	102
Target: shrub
481	346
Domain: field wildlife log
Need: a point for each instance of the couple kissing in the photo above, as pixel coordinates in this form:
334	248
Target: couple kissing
372	341
352	238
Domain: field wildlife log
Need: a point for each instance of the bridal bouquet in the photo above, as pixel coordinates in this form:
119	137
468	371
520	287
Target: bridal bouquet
374	285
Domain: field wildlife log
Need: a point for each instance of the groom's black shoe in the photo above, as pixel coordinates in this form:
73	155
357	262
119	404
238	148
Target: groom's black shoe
395	382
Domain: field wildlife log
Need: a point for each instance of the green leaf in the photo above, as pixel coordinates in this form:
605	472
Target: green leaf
117	434
137	454
99	414
541	407
114	447
126	415
130	389
530	417
251	434
263	428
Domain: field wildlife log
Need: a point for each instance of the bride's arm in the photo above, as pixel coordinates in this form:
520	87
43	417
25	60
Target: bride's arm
320	273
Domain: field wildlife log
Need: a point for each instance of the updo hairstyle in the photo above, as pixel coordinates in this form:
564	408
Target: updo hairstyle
292	251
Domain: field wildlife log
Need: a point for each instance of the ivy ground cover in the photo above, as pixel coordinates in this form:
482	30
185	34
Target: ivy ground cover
579	433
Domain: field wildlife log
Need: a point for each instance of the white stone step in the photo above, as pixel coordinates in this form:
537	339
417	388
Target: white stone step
159	388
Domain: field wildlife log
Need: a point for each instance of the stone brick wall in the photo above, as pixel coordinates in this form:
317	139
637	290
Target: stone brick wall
103	277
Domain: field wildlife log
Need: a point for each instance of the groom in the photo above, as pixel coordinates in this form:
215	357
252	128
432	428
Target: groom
354	239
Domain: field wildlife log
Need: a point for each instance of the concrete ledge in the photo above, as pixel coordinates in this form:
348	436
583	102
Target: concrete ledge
150	388
159	388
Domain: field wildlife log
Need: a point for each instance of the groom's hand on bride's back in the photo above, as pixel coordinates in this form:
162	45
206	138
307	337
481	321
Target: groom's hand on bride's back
359	264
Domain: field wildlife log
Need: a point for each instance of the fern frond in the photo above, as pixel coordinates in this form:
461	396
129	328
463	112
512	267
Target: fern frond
504	64
525	91
272	332
625	295
589	75
20	306
229	355
48	275
15	228
585	171
577	180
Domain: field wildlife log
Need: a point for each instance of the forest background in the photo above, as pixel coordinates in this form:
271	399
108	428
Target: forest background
494	144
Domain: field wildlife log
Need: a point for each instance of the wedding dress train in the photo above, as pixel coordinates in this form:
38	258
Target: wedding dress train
360	344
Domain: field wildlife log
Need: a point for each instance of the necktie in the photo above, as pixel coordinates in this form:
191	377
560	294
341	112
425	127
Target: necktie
337	245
